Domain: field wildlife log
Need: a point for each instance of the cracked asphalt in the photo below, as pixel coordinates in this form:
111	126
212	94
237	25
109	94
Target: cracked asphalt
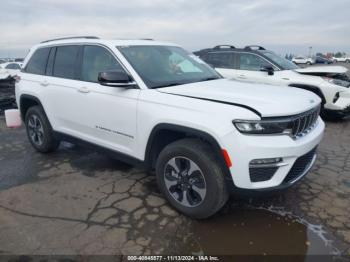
76	201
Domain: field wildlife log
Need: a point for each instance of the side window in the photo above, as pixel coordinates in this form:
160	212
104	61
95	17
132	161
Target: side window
221	60
9	66
50	61
66	62
252	62
37	62
97	59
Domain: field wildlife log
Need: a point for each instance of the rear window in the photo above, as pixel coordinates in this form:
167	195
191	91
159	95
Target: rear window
66	62
37	62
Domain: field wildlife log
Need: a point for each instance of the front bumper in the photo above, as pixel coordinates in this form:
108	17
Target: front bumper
342	106
242	149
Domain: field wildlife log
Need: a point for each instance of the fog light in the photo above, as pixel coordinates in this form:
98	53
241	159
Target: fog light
265	162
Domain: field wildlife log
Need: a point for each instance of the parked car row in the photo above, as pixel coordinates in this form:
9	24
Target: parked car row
255	64
156	105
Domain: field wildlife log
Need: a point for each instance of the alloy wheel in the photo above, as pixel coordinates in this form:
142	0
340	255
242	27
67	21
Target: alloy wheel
35	130
185	181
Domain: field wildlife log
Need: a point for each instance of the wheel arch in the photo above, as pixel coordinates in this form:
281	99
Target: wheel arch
163	134
27	101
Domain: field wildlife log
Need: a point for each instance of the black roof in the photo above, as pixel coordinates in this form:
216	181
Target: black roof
223	48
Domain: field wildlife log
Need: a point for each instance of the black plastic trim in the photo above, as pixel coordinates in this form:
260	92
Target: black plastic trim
189	132
115	154
29	97
311	88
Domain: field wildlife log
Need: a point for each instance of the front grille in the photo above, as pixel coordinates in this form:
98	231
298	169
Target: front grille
259	174
300	166
302	124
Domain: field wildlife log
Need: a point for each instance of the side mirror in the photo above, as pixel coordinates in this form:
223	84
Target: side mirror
269	69
116	78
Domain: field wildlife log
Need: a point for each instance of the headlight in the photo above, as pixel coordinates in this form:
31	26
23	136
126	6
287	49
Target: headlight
263	127
337	82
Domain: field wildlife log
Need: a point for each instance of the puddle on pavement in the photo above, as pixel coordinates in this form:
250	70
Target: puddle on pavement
252	232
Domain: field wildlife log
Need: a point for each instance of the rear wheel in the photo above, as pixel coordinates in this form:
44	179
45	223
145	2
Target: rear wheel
190	177
347	61
39	130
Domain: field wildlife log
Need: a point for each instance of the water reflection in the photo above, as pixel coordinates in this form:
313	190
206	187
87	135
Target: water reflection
257	232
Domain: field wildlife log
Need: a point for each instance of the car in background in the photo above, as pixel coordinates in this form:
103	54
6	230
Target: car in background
9	69
341	59
322	60
20	60
303	60
258	65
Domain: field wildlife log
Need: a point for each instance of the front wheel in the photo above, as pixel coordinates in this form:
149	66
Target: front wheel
347	61
191	179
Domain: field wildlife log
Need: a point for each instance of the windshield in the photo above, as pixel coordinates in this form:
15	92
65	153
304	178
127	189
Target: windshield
161	66
283	63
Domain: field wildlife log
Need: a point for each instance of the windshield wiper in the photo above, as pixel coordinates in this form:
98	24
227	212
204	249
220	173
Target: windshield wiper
167	85
209	79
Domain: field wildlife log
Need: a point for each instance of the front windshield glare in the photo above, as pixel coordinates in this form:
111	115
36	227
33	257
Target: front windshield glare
283	63
161	66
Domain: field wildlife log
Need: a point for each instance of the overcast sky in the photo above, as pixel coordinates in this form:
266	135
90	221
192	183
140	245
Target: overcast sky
283	26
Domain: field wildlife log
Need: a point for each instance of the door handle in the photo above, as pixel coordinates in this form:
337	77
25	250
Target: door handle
44	83
83	90
242	76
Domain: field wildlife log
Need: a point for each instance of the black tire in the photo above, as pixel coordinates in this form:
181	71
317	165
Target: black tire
308	63
201	154
331	116
347	61
41	136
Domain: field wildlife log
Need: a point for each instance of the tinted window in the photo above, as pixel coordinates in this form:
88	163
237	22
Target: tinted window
50	61
66	61
252	62
97	59
37	62
13	66
221	60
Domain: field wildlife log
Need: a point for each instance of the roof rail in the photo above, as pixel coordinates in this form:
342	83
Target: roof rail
149	39
224	46
254	47
72	37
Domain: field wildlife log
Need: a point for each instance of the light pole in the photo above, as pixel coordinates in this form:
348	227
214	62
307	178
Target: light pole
310	50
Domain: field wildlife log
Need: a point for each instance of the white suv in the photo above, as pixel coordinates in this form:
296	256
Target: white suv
158	106
345	59
303	60
255	64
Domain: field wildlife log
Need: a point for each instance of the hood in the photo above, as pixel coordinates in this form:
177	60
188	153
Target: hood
322	69
264	100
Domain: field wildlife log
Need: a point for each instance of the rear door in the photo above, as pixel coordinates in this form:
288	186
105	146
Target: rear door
61	86
223	62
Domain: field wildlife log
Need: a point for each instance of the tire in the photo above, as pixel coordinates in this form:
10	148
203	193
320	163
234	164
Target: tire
347	61
308	63
207	176
39	130
331	116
